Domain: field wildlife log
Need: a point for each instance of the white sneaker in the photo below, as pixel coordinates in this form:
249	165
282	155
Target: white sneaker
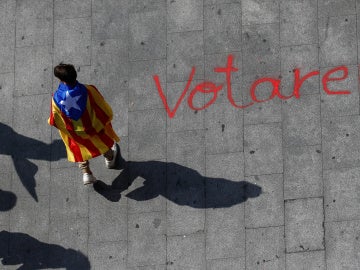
110	164
88	179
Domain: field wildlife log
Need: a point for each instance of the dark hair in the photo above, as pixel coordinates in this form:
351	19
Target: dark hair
65	73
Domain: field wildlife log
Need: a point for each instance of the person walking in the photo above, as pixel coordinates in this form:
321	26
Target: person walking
83	119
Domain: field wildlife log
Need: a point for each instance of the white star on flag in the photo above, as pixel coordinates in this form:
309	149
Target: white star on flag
70	102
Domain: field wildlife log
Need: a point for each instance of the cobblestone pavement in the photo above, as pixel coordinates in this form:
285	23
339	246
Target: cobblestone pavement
274	185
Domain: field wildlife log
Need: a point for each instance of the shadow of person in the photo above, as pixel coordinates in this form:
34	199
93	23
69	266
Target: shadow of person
182	185
21	148
7	200
20	248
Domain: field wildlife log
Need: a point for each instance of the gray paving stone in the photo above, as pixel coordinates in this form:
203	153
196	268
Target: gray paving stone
263	113
184	117
184	220
342	236
68	195
147	240
143	92
336	8
341	146
304	229
225	233
261	49
228	165
187	149
222	28
226	264
268	208
341	194
36	130
109	64
186	252
36	80
6	102
339	105
31	217
70	233
306	260
263	161
7	33
295	28
265	248
108	255
337	39
34	23
224	129
110	19
184	51
147	146
147	131
107	220
301	121
148	267
213	2
7	43
7	170
148	35
303	172
69	9
304	58
184	15
144	6
260	12
72	41
262	149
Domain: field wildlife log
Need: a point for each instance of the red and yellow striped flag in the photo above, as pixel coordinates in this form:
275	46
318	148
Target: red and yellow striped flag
90	135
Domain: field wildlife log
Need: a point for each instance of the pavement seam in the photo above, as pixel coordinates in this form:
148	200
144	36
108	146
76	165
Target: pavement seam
243	131
282	142
204	145
166	137
321	132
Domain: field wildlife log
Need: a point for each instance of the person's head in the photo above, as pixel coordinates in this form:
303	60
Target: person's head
66	73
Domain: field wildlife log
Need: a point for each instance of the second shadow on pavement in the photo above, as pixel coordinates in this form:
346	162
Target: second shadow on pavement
182	185
21	149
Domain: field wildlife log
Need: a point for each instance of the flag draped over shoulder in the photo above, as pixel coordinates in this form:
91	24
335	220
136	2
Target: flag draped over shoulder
83	119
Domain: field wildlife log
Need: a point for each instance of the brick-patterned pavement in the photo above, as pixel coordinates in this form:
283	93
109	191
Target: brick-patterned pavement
271	186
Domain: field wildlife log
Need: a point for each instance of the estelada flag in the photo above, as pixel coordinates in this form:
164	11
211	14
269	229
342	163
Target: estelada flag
83	119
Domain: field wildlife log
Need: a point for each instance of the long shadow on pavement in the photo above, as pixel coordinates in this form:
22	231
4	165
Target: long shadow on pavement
182	185
20	248
21	148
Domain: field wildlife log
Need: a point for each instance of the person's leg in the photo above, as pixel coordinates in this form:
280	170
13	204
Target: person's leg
85	167
109	155
88	177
